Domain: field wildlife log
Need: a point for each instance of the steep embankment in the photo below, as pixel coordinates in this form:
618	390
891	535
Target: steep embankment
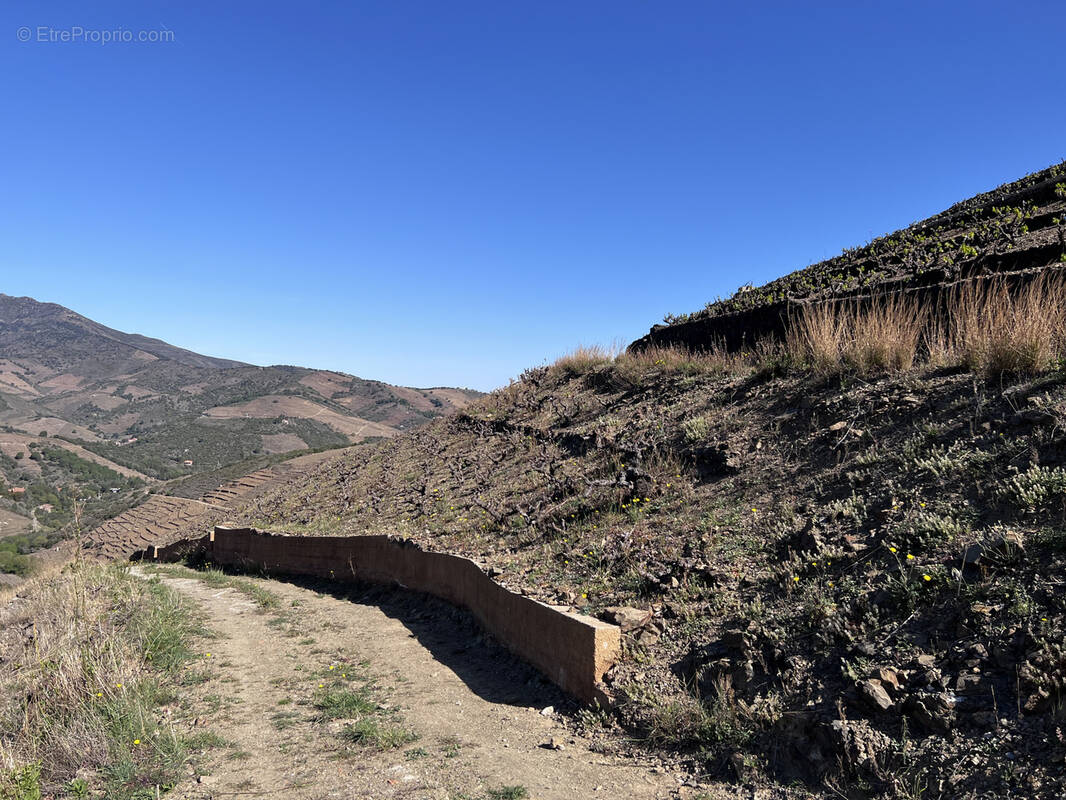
842	580
1012	230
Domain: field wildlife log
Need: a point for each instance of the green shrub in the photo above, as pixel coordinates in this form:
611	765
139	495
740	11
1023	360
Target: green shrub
696	429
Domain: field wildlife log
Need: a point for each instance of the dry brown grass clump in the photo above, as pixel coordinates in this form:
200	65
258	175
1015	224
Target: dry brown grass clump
994	329
882	336
989	327
583	358
713	361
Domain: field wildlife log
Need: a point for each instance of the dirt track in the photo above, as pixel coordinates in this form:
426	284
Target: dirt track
476	710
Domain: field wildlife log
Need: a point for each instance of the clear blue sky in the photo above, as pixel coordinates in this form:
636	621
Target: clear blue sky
448	192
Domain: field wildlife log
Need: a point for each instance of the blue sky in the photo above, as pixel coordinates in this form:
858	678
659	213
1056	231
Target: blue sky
439	193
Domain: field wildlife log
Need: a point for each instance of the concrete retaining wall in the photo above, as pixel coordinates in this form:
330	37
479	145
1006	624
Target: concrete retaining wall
573	650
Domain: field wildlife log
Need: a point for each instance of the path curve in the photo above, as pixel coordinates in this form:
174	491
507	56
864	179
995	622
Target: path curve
476	709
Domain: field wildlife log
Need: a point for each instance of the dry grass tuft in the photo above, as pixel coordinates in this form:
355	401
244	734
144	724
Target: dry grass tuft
816	337
680	359
716	360
85	653
991	328
583	358
994	329
882	336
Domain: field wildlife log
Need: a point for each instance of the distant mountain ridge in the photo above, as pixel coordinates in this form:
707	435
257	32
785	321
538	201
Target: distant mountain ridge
153	407
28	315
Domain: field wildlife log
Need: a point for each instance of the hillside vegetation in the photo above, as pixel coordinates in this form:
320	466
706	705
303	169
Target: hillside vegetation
94	664
852	579
835	545
60	486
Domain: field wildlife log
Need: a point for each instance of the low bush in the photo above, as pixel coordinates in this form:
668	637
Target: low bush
1038	489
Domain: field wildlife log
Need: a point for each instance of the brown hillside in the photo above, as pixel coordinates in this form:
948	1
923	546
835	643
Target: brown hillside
827	567
153	407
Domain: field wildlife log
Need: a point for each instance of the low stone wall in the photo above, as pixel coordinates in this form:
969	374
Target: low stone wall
573	650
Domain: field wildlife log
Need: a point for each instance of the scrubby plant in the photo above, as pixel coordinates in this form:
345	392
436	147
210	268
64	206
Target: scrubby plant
927	530
21	783
696	429
1037	489
956	458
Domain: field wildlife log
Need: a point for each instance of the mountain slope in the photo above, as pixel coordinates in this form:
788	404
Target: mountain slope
52	335
846	579
150	406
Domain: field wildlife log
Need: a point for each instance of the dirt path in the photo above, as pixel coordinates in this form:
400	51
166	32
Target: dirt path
476	711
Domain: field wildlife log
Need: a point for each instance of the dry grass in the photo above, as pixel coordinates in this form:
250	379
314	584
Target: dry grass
715	360
85	657
832	337
989	327
816	337
583	358
994	329
688	721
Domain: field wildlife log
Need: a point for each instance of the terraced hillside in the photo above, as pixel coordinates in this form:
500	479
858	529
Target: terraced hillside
164	519
837	582
845	576
844	572
1016	229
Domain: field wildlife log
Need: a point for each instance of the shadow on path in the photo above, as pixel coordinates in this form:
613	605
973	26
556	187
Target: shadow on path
454	638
